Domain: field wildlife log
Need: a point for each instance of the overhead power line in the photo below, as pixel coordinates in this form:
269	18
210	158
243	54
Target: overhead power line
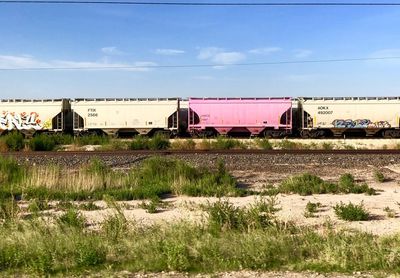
159	3
105	67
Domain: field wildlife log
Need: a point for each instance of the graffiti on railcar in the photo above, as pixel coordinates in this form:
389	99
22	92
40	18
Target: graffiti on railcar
13	120
359	123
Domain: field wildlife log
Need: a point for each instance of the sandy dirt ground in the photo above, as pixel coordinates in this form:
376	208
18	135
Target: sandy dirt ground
292	205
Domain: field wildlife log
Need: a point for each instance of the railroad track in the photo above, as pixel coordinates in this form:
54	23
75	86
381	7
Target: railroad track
194	152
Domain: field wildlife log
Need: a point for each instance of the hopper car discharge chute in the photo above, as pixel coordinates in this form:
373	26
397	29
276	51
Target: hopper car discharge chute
119	116
270	117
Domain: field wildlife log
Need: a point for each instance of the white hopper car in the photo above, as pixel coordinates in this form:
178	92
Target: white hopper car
144	116
33	115
336	116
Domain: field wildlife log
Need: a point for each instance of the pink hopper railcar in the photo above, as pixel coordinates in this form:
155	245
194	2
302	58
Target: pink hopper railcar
258	116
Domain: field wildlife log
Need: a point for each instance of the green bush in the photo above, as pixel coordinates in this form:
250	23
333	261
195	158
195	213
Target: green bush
307	184
159	142
92	140
10	171
379	176
62	139
151	206
327	146
223	143
223	215
288	145
264	144
42	142
72	218
37	205
351	212
14	141
311	209
89	206
139	143
187	144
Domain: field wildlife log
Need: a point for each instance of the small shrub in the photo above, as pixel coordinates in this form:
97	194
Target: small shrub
3	145
91	140
187	144
62	139
378	176
65	205
351	212
223	143
288	145
159	142
14	141
389	212
8	209
311	209
72	218
90	252
38	205
89	206
115	226
223	215
307	184
152	206
327	146
10	171
264	144
139	143
42	142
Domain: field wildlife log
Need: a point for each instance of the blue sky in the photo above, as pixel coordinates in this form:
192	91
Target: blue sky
94	35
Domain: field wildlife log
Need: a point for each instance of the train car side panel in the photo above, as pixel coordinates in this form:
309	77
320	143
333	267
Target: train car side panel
30	116
372	115
116	115
256	115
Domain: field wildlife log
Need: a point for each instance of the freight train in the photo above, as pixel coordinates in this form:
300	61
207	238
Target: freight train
276	117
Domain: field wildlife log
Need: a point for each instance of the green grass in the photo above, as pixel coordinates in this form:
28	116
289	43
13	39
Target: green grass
351	212
91	140
157	142
308	184
14	141
264	144
154	178
42	142
379	176
241	240
311	209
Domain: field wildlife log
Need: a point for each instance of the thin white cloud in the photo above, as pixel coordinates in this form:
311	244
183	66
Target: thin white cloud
220	56
26	62
302	53
111	50
208	52
228	57
169	51
23	61
265	50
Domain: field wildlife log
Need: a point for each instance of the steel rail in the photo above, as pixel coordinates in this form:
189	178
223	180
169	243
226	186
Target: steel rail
196	152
